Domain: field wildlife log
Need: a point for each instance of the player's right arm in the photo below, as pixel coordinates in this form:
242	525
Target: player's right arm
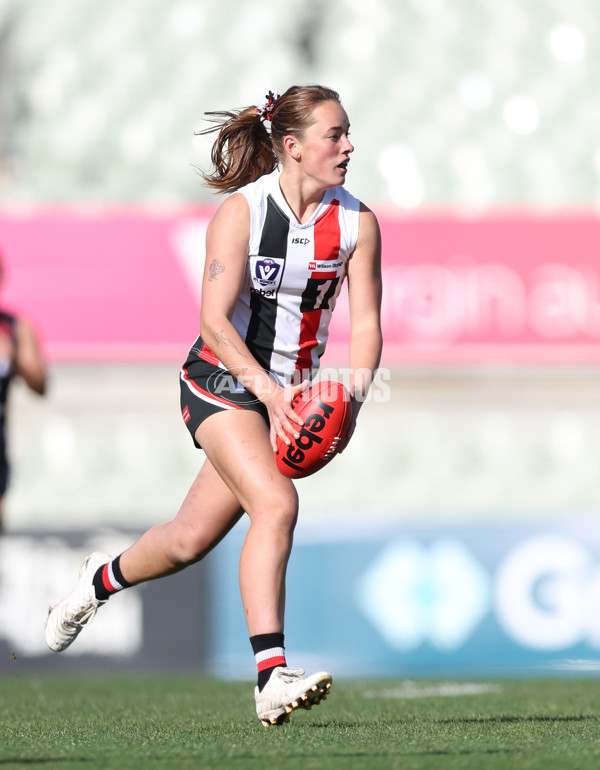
29	360
227	240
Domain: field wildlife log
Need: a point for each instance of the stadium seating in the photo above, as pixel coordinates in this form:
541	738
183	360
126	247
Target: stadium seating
452	104
462	449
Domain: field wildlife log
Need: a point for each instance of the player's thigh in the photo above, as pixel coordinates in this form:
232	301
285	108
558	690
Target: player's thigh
209	496
208	512
238	445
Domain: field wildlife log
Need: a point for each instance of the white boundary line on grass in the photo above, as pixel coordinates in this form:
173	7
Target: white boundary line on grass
445	690
575	664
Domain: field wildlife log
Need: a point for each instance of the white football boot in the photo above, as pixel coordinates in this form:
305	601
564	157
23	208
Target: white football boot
67	618
289	689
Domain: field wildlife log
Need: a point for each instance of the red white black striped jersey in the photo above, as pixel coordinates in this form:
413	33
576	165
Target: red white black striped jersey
293	277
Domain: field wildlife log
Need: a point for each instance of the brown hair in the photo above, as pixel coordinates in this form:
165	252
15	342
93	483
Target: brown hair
244	150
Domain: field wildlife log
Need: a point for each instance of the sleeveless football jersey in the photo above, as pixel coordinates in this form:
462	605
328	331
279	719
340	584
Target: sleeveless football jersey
293	277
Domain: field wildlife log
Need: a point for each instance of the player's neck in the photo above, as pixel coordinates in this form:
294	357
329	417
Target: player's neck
302	196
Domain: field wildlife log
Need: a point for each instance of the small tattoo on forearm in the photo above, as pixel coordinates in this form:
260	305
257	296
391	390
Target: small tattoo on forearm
214	269
220	337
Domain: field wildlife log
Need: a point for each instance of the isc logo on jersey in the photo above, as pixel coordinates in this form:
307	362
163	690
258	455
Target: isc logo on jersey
265	273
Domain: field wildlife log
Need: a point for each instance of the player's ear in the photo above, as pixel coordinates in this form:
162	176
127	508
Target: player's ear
292	147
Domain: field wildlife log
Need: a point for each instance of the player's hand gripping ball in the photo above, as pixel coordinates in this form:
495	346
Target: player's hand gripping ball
326	410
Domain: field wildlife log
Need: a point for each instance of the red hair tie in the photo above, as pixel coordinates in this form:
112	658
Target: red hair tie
265	110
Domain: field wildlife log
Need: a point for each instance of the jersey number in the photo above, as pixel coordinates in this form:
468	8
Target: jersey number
317	294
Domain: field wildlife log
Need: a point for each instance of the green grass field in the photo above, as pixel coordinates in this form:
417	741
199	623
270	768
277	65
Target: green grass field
192	722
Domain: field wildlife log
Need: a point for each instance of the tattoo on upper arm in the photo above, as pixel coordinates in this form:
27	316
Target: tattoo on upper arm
220	337
215	267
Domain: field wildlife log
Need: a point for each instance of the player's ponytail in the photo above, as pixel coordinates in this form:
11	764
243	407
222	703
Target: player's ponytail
245	150
242	151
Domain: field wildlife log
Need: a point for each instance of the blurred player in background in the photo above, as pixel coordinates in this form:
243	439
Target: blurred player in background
277	252
20	356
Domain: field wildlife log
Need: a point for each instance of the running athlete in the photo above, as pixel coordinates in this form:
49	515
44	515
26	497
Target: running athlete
20	356
277	251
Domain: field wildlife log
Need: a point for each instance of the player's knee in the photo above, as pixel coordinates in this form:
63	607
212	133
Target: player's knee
278	508
286	513
186	546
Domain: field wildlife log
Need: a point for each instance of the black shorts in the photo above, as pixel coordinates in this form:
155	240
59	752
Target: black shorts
4	478
4	467
207	389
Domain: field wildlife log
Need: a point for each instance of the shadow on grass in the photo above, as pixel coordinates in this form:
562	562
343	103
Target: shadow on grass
502	718
41	760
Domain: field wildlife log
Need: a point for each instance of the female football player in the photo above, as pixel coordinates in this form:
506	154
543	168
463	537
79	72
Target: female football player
20	356
277	251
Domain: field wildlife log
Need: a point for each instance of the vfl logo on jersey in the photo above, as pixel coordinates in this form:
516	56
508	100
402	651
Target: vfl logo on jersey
266	271
265	275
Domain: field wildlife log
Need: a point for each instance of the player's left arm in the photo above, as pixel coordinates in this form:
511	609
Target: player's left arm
364	296
29	360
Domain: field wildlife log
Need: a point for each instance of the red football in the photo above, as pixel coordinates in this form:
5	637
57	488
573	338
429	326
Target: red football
326	411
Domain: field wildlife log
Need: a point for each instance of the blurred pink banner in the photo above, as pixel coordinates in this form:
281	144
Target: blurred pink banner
110	286
118	285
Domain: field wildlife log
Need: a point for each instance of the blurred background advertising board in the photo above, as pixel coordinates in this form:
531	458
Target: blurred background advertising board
402	601
124	285
492	600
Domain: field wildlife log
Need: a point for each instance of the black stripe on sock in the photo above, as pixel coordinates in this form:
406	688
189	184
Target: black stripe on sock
116	566
262	642
99	588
